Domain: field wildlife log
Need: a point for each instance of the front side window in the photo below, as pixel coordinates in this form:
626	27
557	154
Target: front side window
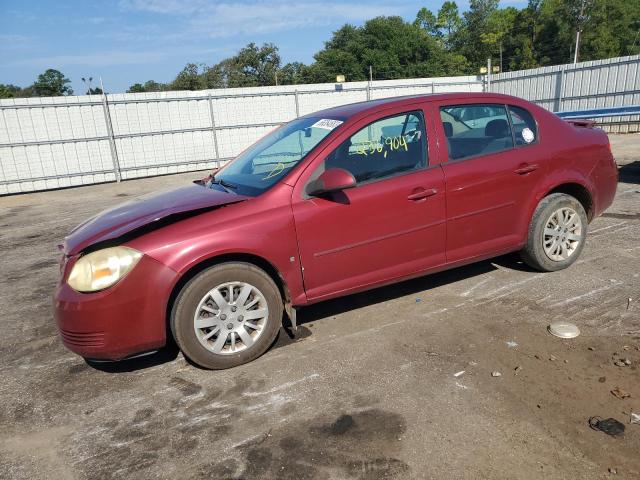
383	148
269	160
525	130
473	130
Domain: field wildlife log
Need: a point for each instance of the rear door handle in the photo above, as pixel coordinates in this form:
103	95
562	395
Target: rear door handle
526	168
422	194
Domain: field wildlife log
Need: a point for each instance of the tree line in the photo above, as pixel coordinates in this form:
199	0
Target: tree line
444	43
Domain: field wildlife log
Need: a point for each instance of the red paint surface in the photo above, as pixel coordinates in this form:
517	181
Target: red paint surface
445	215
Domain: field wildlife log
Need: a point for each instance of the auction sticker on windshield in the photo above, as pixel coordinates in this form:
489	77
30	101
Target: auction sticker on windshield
327	124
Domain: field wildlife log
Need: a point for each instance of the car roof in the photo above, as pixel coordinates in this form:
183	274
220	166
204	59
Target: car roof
344	112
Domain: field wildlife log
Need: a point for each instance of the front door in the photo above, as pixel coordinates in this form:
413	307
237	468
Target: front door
391	224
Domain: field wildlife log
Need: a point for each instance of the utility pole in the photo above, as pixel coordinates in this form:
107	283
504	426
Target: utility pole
501	57
276	75
370	74
580	21
489	74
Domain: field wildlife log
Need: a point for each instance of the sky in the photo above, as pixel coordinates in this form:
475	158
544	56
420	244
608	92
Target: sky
132	41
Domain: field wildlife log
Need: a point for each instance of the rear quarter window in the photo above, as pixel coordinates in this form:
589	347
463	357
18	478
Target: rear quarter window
525	130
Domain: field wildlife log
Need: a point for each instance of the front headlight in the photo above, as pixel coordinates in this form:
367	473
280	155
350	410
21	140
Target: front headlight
101	269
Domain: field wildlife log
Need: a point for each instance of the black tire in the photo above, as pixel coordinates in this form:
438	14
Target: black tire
534	253
184	309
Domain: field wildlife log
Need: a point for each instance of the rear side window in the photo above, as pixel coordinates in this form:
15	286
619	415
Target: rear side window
473	130
525	130
384	148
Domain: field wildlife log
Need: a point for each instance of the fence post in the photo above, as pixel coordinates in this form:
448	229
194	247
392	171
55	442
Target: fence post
214	132
297	103
112	140
561	92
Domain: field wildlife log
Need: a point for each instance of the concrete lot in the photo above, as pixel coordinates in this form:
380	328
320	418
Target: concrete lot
366	391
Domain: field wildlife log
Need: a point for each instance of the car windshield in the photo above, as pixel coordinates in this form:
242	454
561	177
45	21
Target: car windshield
267	161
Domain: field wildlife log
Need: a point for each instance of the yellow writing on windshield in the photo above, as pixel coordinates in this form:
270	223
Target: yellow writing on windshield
277	170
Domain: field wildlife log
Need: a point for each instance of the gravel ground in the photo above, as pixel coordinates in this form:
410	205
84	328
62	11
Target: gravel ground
366	390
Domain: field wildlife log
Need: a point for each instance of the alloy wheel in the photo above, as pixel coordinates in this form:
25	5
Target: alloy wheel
230	317
562	234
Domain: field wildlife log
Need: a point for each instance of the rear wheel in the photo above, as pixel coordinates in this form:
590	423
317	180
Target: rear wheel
227	315
557	233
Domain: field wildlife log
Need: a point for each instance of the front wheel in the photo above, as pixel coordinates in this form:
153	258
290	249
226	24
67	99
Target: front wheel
227	315
557	233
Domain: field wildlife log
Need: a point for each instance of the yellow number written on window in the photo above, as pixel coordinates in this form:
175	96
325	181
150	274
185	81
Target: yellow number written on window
393	143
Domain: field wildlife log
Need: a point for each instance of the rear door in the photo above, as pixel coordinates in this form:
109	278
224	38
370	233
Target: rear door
391	224
489	177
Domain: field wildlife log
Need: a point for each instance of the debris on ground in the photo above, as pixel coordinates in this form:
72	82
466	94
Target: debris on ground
602	379
496	374
622	362
635	418
610	426
517	369
563	330
620	393
613	471
592	349
553	358
418	300
457	374
512	344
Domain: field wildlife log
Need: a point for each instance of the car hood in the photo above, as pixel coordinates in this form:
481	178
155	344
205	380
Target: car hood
143	211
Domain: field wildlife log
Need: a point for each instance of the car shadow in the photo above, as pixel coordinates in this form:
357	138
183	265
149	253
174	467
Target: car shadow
166	354
630	173
329	308
423	284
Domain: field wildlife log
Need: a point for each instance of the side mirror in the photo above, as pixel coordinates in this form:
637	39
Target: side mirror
331	180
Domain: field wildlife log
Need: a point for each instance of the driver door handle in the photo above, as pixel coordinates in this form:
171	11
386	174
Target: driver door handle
526	168
422	194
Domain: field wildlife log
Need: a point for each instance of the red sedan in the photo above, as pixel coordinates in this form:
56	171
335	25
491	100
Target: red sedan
332	203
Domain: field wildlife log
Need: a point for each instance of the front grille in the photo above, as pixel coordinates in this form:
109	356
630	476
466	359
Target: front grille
81	339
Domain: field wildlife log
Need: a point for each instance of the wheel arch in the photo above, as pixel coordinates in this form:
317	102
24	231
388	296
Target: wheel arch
252	259
579	192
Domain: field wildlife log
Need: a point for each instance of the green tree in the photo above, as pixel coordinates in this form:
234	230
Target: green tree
292	73
190	78
468	41
52	83
136	88
149	86
393	48
252	66
449	20
427	21
9	91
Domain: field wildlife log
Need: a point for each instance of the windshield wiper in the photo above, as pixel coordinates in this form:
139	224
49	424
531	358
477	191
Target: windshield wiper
229	187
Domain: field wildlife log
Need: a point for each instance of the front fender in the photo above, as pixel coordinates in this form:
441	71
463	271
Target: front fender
267	234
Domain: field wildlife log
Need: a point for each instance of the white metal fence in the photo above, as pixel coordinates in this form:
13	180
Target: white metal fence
614	82
48	143
58	142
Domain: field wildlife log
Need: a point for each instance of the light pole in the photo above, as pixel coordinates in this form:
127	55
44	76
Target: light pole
88	84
